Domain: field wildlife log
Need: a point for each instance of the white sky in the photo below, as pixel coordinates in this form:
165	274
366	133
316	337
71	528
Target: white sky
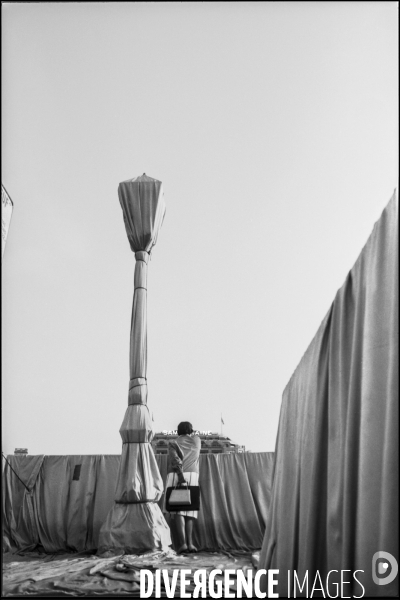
273	127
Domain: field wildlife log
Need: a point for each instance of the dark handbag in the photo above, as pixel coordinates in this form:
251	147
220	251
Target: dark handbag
194	499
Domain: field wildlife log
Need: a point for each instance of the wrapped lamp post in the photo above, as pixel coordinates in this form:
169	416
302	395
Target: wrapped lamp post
135	523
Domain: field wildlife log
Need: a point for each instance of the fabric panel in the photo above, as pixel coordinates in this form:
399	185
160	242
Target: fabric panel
235	495
19	522
70	513
335	490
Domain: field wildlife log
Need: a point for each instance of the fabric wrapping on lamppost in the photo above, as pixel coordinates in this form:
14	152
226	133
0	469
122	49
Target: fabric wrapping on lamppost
134	528
139	478
138	340
136	523
137	426
143	207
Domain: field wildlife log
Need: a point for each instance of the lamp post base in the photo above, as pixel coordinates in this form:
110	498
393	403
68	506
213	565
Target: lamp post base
134	529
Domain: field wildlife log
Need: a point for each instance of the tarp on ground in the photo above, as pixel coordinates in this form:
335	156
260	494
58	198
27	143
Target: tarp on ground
335	490
69	498
82	574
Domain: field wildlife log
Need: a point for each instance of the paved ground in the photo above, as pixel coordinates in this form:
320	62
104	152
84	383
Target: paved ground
84	574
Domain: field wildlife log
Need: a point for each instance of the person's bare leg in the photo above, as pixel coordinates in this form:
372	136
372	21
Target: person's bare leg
181	534
173	531
189	533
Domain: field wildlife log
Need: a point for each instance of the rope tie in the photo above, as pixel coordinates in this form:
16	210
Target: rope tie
136	502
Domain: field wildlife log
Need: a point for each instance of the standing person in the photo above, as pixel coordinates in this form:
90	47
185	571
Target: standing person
183	467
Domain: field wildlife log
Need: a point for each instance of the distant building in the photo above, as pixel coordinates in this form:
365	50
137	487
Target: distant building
21	451
211	443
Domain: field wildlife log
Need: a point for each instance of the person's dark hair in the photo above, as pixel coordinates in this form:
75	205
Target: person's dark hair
185	428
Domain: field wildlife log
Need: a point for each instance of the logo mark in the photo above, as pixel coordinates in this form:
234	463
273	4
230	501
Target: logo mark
384	568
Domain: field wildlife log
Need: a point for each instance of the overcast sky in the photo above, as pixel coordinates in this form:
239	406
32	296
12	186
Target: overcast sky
273	127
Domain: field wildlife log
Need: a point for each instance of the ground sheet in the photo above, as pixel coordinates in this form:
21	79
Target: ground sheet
84	574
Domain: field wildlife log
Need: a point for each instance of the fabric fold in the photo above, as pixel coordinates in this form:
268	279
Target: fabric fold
73	495
334	497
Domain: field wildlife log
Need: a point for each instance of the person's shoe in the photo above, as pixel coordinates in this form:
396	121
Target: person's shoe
192	548
182	549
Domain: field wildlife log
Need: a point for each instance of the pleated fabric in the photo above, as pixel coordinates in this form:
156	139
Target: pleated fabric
139	478
143	219
235	495
129	528
72	497
20	527
335	488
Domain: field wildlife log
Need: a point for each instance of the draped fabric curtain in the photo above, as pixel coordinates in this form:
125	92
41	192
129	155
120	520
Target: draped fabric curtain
71	496
335	489
20	526
235	496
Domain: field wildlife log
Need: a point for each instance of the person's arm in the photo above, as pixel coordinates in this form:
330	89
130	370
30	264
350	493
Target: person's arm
197	443
175	456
